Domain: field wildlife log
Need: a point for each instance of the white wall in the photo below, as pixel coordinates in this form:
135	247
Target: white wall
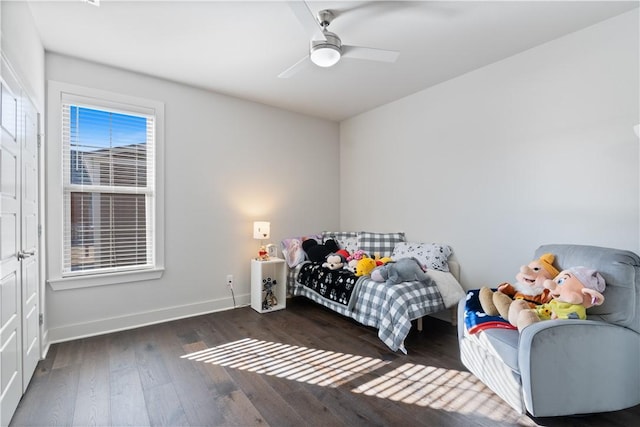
537	148
228	162
22	47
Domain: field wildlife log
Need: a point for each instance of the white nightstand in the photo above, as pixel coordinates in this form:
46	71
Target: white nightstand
265	275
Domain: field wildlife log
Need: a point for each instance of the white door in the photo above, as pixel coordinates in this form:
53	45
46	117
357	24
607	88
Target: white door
10	265
29	244
19	273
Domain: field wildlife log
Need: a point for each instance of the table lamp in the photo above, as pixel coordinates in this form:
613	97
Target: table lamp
261	231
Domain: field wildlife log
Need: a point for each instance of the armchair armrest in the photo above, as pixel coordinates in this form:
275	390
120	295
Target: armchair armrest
578	367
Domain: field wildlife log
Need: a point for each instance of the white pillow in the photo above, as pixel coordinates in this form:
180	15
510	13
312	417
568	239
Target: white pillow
429	255
349	244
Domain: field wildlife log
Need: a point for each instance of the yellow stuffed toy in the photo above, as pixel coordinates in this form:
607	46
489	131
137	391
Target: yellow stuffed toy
365	266
381	261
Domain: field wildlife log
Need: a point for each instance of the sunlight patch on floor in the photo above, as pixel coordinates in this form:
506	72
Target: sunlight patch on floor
410	383
436	388
312	366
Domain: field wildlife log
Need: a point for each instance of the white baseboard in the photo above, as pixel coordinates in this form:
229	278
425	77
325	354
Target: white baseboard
136	320
44	344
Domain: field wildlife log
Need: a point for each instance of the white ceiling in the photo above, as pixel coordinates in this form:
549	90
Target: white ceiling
238	48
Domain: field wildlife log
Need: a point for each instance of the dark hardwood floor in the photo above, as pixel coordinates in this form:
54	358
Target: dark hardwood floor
301	366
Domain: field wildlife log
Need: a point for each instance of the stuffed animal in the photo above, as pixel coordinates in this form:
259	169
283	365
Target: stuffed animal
573	291
365	266
357	255
344	254
263	255
351	265
381	260
529	286
318	252
352	260
403	270
334	262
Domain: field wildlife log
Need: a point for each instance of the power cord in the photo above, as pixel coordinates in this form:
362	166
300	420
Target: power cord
230	286
233	296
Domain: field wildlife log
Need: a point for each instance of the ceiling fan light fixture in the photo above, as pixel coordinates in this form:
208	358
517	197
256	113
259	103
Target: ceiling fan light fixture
325	55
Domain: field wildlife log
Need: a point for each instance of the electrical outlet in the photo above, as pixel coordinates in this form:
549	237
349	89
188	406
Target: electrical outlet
230	280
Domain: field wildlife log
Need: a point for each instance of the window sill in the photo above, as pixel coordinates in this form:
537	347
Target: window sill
105	279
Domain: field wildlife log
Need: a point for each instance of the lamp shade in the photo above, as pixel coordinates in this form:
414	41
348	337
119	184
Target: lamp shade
261	230
325	55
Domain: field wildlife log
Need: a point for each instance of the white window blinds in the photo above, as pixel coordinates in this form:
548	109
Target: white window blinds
108	185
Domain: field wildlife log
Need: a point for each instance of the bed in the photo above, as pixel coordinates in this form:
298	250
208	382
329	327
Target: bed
388	308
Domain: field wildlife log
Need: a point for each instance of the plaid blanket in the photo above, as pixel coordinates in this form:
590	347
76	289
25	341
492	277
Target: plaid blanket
390	309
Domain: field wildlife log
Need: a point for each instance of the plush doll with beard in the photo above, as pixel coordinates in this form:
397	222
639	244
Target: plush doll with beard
529	287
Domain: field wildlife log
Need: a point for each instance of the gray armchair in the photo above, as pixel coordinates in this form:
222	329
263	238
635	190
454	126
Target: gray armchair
568	367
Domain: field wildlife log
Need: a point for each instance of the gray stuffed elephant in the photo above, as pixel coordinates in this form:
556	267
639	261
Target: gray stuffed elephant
403	270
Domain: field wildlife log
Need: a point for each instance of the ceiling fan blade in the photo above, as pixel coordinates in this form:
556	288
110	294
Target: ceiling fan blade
370	53
307	19
298	66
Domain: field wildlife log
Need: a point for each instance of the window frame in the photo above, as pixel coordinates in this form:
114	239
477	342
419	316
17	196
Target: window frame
59	93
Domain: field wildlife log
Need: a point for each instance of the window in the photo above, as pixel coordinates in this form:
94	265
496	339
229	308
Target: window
108	189
108	200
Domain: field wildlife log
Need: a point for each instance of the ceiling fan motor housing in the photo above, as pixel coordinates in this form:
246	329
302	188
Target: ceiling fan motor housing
332	41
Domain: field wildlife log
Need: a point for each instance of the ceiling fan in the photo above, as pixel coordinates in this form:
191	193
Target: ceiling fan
326	48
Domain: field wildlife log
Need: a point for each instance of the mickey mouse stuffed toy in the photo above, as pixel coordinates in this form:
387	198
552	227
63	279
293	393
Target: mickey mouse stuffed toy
334	262
318	252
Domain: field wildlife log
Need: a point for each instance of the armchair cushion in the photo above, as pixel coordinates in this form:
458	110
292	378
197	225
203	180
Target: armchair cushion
503	343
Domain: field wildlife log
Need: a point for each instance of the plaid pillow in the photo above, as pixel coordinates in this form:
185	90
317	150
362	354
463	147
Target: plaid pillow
379	243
